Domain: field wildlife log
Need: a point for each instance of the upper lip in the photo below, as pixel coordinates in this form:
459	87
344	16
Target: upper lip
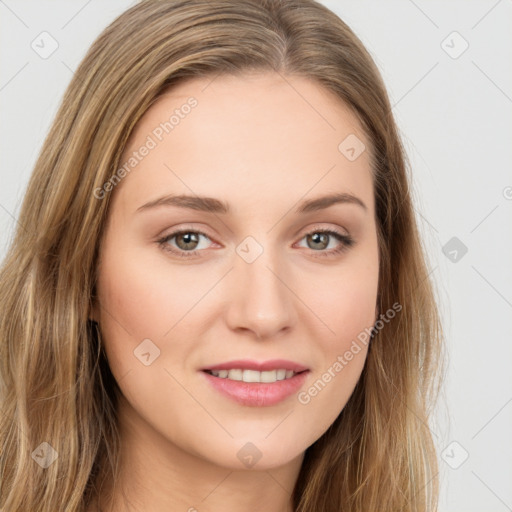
247	364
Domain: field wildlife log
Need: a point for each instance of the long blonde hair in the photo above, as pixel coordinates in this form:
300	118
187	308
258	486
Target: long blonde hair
56	386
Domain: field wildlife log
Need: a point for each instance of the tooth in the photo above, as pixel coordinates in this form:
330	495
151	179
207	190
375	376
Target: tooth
251	376
280	374
235	374
268	376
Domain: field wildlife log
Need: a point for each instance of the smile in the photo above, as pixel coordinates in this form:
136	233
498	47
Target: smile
239	374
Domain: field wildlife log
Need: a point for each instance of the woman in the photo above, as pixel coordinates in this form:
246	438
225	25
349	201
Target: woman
217	295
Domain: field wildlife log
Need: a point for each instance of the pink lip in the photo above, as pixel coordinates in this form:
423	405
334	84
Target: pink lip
247	364
257	394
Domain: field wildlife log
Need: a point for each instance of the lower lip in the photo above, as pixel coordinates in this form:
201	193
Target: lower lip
257	394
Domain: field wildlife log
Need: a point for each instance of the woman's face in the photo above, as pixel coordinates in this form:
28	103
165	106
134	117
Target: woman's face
251	278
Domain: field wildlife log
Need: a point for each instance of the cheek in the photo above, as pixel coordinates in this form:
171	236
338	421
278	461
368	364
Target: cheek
347	300
347	308
143	296
140	301
350	314
135	307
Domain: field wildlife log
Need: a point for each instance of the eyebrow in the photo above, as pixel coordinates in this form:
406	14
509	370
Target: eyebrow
212	205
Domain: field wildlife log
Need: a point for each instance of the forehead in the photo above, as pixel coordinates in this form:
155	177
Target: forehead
240	136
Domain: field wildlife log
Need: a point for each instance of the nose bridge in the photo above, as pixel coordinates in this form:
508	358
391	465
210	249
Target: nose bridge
260	300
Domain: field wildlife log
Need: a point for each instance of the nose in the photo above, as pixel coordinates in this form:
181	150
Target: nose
261	298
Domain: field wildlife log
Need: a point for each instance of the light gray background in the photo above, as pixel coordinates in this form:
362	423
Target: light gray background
455	119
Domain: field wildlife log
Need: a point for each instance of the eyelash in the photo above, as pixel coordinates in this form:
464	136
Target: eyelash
346	242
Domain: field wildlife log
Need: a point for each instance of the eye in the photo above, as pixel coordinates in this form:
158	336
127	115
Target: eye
186	243
320	239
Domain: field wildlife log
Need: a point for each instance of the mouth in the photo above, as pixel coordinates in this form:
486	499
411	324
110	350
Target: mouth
245	375
257	384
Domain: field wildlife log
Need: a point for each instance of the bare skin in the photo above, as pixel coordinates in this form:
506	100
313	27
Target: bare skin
263	145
